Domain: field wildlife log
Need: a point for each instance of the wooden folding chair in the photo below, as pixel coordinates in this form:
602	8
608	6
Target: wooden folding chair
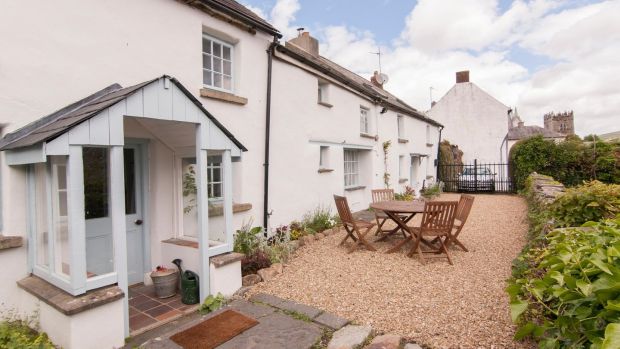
353	226
437	221
462	212
379	195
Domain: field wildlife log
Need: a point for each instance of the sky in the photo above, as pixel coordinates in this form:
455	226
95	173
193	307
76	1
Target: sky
539	56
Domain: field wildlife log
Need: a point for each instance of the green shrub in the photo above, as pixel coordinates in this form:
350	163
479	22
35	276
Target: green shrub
432	191
592	201
255	261
212	303
17	334
247	239
318	220
407	195
569	295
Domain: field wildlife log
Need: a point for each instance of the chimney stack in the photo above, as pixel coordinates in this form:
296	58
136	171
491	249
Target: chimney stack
462	76
306	43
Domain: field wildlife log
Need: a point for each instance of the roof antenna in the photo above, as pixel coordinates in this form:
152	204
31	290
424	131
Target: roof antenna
300	30
378	53
430	92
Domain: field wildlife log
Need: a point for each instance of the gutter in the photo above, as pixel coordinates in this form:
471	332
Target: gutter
438	152
270	52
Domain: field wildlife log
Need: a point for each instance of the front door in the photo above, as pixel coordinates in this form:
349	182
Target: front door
134	214
415	172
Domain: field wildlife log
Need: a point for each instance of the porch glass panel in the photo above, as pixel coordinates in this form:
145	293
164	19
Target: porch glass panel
41	227
60	216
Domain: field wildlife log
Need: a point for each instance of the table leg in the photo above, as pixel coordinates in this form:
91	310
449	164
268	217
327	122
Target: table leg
398	226
402	224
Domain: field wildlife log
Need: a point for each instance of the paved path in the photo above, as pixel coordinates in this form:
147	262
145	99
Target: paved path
282	324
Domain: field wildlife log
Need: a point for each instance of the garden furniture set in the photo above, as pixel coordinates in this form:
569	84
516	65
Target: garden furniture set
441	224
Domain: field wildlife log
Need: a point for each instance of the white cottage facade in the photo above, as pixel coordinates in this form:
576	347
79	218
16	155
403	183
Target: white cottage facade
96	194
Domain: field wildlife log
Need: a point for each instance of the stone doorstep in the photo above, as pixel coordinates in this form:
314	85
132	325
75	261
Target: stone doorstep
66	303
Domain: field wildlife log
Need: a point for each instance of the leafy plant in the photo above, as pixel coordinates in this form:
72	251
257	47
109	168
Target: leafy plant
18	334
212	303
407	195
569	297
386	174
255	261
432	191
591	201
247	239
318	220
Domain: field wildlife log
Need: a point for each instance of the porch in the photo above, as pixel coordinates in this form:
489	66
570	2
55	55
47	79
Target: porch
113	176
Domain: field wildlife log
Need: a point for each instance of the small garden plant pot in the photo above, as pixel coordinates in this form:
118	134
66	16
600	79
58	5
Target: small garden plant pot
165	282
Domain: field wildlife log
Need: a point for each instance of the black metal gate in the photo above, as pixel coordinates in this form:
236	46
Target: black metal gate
476	177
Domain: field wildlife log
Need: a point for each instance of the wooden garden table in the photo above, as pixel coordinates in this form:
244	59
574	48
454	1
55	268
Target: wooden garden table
396	210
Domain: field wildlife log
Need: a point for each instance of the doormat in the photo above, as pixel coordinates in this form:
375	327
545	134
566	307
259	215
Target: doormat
214	331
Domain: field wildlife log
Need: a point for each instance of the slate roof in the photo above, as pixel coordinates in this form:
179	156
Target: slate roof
51	126
523	132
353	81
239	12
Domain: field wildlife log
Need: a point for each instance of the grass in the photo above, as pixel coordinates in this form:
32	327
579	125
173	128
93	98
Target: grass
297	315
322	342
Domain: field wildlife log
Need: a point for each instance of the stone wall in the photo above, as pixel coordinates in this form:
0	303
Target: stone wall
543	189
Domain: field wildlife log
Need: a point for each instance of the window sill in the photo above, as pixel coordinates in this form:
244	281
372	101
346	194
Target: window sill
366	135
403	180
402	140
218	209
66	303
325	104
7	242
429	144
223	96
325	170
355	188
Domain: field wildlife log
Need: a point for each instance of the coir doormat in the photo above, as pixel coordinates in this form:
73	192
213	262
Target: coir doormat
214	331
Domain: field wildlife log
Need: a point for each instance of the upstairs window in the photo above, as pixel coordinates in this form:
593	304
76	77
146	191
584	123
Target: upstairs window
323	93
217	61
401	126
428	135
364	122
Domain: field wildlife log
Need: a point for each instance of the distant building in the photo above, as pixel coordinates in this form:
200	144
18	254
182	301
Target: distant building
563	123
518	131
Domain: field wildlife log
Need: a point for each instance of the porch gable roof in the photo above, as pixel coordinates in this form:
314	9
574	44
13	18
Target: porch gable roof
51	126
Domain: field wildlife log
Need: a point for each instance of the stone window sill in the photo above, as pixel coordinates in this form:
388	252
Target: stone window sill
366	135
7	242
66	303
358	187
402	140
429	144
218	209
325	104
403	180
226	258
223	96
325	170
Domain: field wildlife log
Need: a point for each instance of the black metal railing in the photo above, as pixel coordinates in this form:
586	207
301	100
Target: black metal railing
477	177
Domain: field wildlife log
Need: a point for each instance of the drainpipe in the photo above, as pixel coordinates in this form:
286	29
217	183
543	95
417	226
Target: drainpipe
270	51
438	153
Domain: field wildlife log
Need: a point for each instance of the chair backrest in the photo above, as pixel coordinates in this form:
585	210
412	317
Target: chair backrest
379	195
465	203
343	209
438	217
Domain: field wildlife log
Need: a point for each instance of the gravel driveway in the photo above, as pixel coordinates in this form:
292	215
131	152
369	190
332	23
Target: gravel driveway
436	305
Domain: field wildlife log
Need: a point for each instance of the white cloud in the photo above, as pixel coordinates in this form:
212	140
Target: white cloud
283	14
440	37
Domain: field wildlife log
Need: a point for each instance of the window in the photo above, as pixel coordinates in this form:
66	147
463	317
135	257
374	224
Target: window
323	157
401	126
214	177
351	168
364	128
428	135
402	174
217	58
323	93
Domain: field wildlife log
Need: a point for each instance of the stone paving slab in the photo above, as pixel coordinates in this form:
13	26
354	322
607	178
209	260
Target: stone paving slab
330	320
349	337
267	299
276	331
252	310
309	311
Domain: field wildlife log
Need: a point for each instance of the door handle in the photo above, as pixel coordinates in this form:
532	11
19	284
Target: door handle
138	222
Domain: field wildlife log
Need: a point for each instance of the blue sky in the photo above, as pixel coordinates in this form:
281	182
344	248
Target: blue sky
538	55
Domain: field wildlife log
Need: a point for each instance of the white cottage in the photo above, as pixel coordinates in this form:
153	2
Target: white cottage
98	193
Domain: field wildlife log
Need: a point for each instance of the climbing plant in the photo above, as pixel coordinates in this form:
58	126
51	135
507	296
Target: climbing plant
386	174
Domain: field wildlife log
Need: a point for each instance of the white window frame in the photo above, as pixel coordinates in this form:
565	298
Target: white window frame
211	168
351	168
400	123
211	71
364	120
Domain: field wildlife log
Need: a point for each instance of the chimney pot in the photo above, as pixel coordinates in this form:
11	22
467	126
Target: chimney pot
462	76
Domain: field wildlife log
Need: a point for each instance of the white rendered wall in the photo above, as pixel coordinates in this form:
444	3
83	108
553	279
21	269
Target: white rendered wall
98	328
225	279
473	120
